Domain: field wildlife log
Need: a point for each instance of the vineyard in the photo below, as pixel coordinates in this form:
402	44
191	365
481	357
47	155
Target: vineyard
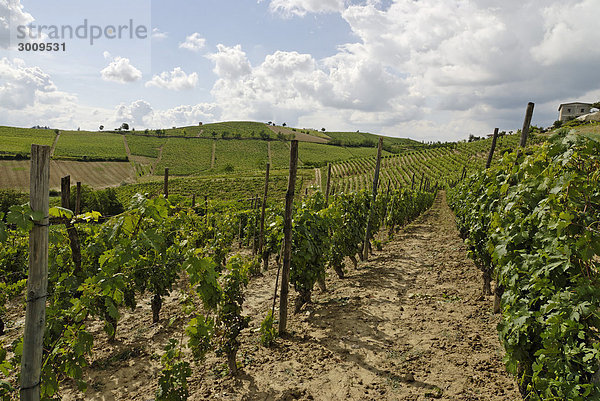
186	292
154	245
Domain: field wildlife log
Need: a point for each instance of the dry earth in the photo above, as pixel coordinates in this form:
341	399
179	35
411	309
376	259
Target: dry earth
409	324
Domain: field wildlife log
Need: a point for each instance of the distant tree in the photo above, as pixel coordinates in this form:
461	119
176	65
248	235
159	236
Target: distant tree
56	131
270	123
101	127
596	105
283	125
214	134
225	134
146	131
125	127
78	128
237	135
323	129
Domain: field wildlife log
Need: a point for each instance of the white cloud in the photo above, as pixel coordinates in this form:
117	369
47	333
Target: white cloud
158	34
174	80
289	8
11	16
230	62
193	42
120	70
142	115
21	86
570	32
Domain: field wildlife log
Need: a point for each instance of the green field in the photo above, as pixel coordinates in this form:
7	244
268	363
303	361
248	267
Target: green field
15	141
224	130
241	155
186	156
83	145
145	146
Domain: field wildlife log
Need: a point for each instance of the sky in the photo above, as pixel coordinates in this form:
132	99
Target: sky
431	70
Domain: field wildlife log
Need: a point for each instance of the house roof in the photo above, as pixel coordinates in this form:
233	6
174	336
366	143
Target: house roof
573	104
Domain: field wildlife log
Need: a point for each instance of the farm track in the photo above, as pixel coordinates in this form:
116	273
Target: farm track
410	324
54	144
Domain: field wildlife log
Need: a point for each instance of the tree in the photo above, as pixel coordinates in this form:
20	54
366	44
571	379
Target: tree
283	125
125	127
323	129
101	127
596	105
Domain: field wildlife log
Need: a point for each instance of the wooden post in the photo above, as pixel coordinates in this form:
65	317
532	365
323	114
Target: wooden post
525	129
421	184
328	187
287	238
261	233
37	280
65	192
464	173
372	206
65	201
489	159
78	198
193	200
206	207
166	184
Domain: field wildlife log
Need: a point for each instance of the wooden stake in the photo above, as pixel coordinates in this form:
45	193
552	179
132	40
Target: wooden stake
489	159
525	129
166	184
370	219
37	281
261	233
287	238
421	184
78	198
327	188
193	200
65	201
65	192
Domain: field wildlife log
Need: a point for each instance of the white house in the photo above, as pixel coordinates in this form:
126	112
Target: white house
572	110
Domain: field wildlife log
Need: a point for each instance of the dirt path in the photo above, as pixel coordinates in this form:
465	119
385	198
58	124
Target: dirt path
127	150
159	158
56	138
409	324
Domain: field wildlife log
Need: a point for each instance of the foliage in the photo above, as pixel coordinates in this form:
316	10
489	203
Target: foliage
268	333
537	219
172	383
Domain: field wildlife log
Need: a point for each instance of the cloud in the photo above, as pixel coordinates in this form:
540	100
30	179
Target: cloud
22	86
289	8
158	34
120	70
230	62
140	113
570	33
11	16
193	42
175	80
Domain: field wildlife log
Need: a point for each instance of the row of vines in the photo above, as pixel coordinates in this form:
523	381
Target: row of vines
158	245
532	224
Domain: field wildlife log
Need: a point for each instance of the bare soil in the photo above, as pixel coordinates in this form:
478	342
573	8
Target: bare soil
15	173
409	324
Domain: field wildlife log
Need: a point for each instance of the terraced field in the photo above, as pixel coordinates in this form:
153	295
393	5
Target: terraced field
15	141
81	145
15	173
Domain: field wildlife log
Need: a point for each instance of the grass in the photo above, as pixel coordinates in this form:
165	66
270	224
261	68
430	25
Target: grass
144	146
15	140
241	155
84	145
186	156
223	130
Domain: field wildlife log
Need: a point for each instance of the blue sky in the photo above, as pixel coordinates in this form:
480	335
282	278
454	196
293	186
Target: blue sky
429	70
